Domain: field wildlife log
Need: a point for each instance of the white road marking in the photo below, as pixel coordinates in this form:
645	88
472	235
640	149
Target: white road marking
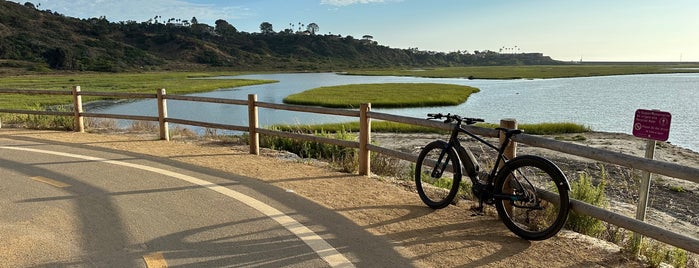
315	242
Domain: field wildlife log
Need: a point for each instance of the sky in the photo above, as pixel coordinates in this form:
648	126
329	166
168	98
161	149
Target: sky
567	30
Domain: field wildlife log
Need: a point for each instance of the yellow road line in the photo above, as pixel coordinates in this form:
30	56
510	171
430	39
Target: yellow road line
155	260
52	182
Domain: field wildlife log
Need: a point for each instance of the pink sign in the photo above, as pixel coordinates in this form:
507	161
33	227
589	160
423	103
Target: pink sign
652	124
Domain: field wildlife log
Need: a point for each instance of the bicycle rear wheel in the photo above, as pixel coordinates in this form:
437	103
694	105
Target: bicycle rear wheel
437	174
531	197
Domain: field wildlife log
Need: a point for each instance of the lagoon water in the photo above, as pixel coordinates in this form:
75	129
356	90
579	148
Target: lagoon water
606	103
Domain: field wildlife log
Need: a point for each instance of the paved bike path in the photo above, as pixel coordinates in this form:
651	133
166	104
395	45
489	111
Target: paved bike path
67	205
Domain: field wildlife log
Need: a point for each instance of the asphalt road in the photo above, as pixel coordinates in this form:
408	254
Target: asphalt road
62	205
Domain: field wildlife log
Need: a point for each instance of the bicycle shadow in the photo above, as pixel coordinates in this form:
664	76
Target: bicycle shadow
433	235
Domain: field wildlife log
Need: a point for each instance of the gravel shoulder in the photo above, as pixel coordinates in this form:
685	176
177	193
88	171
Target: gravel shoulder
429	238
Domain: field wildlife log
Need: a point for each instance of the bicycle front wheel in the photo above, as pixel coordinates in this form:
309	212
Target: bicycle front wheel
437	174
531	197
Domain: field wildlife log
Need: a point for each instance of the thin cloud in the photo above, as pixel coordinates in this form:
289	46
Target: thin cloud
352	2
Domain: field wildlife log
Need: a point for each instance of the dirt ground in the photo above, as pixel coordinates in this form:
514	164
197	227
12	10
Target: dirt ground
449	237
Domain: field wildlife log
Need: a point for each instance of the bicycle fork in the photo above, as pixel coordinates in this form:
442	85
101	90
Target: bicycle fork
440	166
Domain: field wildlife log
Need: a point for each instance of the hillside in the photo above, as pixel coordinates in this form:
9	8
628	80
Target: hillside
40	39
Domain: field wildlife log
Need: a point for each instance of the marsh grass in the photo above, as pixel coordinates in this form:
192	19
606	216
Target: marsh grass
173	82
393	127
549	128
388	95
530	71
376	126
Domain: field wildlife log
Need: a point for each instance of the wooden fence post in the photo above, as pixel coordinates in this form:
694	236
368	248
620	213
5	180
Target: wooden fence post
78	121
364	139
644	193
162	115
511	150
253	125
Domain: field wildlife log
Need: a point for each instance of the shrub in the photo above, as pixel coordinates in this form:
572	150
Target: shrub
656	254
344	158
583	190
144	126
388	166
38	121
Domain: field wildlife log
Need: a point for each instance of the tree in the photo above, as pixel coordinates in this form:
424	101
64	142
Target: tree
224	28
194	21
58	58
266	28
312	28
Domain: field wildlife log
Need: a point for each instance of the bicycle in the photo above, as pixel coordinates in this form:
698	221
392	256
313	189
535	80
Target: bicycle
530	193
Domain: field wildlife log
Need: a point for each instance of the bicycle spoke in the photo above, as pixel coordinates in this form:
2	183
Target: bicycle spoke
531	199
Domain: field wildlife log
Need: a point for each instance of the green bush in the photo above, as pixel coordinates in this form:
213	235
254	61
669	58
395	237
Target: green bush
38	121
584	190
344	158
656	254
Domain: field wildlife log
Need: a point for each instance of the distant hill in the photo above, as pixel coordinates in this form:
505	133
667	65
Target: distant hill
33	38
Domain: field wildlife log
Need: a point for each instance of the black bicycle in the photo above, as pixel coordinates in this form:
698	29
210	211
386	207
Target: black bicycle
529	192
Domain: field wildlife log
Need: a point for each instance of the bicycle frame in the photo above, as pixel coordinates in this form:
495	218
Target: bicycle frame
469	160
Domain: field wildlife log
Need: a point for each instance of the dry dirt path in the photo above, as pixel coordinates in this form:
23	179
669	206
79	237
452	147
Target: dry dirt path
450	237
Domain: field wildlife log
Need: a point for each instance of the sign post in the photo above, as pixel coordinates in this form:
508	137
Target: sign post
653	125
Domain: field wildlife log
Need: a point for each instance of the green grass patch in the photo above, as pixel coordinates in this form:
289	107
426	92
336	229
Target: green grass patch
677	189
393	127
388	95
173	82
533	71
376	126
548	128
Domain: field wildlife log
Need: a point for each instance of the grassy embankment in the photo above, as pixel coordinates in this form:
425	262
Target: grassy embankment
388	95
533	72
173	82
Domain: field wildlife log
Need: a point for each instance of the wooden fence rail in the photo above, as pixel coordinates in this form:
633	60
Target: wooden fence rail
365	116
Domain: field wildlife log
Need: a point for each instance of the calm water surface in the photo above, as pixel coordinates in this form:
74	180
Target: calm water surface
604	103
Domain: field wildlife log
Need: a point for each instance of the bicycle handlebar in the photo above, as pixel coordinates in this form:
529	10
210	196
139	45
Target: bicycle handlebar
454	117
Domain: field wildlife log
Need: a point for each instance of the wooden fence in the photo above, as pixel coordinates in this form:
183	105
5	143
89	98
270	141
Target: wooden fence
365	116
